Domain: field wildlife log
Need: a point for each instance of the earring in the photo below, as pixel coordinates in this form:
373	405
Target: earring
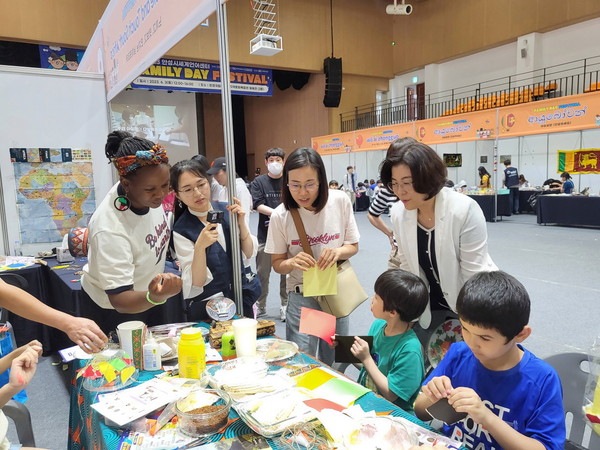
122	203
179	203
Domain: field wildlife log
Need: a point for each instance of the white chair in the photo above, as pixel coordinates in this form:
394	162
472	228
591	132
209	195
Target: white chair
573	378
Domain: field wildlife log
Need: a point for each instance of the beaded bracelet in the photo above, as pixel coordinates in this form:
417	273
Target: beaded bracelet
150	301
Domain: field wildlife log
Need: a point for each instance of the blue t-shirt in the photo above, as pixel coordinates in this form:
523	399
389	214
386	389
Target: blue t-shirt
528	397
568	186
400	359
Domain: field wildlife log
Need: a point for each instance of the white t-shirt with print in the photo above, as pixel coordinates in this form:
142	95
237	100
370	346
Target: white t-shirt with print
124	249
332	227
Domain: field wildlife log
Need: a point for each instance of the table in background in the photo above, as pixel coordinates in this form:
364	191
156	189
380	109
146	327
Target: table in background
87	429
65	294
486	203
574	210
28	330
524	196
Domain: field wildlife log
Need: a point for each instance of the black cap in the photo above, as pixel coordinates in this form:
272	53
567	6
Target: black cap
217	164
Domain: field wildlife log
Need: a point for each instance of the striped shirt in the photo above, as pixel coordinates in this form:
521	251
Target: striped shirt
383	200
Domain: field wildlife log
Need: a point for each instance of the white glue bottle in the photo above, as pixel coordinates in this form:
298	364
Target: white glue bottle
152	359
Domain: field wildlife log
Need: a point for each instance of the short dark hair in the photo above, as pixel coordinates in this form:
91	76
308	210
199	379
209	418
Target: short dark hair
334	183
495	300
427	169
565	175
275	151
349	167
187	165
304	157
403	292
507	162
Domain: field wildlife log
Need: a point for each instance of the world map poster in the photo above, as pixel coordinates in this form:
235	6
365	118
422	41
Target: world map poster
54	191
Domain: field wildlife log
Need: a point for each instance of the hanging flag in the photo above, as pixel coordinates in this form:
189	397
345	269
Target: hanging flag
579	161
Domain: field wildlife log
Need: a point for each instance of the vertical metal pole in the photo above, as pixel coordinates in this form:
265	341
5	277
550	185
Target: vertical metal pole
229	150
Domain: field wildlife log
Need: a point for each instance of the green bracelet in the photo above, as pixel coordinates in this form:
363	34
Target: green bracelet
154	303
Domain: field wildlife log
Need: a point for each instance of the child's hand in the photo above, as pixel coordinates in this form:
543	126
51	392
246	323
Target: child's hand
466	400
35	345
360	349
23	368
438	388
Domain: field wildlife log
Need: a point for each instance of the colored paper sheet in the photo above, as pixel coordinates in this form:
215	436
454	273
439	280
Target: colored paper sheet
340	391
320	404
118	364
318	282
313	379
126	373
317	323
342	349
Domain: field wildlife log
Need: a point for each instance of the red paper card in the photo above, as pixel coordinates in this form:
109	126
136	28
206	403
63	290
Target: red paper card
322	403
317	323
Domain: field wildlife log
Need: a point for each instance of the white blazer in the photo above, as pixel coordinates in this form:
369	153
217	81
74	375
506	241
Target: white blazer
460	243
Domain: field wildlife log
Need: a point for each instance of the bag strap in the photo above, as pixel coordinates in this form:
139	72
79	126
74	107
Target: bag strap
301	231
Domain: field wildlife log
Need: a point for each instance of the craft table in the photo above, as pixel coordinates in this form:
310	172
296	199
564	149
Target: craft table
65	294
575	210
486	202
88	431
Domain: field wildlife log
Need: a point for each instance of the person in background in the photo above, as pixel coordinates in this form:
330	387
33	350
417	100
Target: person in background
266	196
129	237
441	234
372	184
511	181
484	177
523	183
394	366
513	399
204	248
333	184
567	183
83	332
218	170
331	231
350	184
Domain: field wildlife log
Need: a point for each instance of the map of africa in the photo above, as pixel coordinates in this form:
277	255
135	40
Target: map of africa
52	198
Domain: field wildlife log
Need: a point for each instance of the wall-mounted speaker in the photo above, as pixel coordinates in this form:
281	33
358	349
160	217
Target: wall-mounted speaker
333	82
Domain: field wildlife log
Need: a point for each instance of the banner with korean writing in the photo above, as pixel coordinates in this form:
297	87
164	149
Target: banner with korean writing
173	74
461	127
579	161
575	112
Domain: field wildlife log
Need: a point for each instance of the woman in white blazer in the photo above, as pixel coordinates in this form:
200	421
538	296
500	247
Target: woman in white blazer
441	234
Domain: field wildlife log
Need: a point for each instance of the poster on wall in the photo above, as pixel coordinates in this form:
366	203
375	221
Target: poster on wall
453	159
60	58
54	191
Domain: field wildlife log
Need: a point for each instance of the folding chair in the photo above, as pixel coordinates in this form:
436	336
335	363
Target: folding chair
573	379
19	413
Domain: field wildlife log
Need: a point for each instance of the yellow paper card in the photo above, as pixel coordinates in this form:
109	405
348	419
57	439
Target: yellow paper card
313	379
320	282
126	373
107	370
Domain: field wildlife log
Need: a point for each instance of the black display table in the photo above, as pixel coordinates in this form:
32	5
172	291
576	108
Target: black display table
575	210
486	202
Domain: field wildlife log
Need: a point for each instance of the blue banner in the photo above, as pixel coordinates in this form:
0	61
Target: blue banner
177	75
60	58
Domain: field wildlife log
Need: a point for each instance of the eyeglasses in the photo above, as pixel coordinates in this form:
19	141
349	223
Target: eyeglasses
392	185
190	190
310	187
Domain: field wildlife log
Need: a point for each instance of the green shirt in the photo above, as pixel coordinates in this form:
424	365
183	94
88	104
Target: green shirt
400	359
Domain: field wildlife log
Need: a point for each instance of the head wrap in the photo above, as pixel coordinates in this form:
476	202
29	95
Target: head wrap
128	164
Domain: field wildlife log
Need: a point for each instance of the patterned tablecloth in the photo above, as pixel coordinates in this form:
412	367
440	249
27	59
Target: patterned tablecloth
87	429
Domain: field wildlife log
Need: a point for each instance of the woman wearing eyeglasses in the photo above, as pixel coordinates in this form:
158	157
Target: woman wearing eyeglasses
441	234
129	236
331	231
204	248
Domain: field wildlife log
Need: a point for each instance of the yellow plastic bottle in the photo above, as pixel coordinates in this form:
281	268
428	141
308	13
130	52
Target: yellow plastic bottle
191	353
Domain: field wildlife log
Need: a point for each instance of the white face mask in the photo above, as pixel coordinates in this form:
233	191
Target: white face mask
275	168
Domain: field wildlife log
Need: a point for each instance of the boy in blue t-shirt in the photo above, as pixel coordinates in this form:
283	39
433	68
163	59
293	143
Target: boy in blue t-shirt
513	399
394	367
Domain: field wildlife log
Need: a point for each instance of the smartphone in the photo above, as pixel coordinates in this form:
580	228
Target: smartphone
215	216
443	411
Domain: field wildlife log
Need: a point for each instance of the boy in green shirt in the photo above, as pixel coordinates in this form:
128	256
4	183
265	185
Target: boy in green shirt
394	367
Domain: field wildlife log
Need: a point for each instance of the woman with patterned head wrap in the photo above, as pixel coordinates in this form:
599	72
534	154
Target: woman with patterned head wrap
129	236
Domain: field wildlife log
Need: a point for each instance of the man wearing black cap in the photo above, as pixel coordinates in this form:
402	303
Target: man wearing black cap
218	170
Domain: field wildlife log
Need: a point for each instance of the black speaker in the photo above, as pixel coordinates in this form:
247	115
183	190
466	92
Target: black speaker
333	82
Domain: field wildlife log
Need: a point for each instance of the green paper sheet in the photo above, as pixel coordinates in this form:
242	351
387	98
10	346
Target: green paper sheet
340	391
320	282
